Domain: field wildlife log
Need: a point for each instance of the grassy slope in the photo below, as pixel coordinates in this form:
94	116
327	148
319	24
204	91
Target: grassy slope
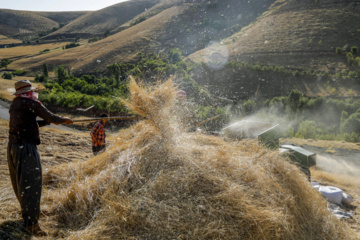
119	47
297	36
62	17
189	26
28	51
7	40
96	23
14	22
291	34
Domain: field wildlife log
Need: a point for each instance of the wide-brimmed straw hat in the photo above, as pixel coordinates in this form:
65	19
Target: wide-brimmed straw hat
23	86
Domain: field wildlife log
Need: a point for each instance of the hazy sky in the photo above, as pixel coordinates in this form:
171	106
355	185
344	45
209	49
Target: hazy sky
57	5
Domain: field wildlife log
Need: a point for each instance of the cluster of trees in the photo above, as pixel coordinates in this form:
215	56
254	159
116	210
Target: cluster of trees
345	74
318	118
70	91
103	92
304	117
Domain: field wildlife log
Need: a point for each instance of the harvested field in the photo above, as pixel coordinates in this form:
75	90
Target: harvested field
30	50
7	40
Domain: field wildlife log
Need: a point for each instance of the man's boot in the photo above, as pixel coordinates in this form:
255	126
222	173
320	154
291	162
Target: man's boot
36	230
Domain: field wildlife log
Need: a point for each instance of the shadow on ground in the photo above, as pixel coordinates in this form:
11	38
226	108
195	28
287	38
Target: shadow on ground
13	230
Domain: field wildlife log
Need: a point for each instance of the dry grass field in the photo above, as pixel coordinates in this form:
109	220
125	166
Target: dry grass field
7	86
7	40
121	47
30	51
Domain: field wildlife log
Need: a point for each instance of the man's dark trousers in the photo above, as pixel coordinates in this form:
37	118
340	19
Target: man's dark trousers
26	178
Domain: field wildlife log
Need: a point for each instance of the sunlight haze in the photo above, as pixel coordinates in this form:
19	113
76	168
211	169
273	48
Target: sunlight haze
55	5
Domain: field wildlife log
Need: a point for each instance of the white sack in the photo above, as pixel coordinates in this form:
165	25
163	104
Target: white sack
332	194
346	199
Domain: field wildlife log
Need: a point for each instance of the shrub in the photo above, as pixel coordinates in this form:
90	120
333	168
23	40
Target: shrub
354	50
339	50
44	51
71	45
249	106
350	58
352	124
307	129
19	73
5	62
40	78
351	137
138	20
296	73
7	75
94	39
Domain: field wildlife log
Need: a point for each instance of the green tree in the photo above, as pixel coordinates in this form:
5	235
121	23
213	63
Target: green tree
45	70
307	129
116	72
294	99
338	50
354	50
352	124
107	33
350	58
174	55
5	62
61	74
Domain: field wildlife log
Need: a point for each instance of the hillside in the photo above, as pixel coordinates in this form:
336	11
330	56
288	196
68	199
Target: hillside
23	23
189	26
98	22
300	37
250	48
26	24
62	17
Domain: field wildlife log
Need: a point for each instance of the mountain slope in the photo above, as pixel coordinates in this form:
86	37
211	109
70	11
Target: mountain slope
98	22
292	35
62	17
298	30
14	23
189	26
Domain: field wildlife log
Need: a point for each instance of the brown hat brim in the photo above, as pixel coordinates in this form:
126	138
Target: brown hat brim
24	90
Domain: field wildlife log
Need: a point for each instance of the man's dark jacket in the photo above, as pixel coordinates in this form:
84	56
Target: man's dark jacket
23	124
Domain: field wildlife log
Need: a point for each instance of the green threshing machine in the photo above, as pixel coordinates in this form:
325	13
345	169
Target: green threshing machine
269	134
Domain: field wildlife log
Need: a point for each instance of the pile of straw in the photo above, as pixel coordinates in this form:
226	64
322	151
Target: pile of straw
158	182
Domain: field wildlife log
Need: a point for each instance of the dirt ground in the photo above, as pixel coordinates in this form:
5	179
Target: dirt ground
56	147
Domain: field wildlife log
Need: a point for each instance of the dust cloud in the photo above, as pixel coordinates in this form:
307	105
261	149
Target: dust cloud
338	166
